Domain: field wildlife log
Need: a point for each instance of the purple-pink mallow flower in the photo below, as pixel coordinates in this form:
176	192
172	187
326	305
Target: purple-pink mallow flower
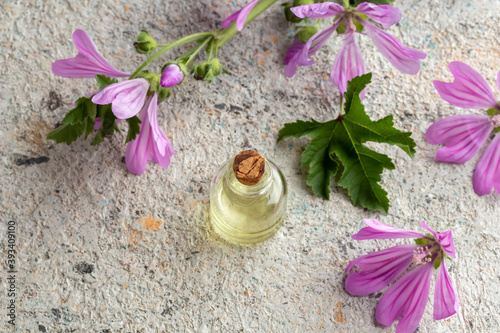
171	76
240	16
349	62
88	61
464	135
407	297
126	98
150	143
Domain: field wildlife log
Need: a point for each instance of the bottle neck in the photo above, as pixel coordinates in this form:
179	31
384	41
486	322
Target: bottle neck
253	190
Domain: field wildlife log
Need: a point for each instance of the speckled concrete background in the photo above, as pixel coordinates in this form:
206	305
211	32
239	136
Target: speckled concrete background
102	250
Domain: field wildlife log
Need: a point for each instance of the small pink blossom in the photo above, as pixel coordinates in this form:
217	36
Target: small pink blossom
407	297
126	98
151	143
349	62
87	63
239	16
464	135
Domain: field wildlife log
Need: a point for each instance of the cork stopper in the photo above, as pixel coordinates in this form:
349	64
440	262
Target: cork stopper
249	167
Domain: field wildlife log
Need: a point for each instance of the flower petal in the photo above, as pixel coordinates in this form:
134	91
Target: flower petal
291	57
349	63
487	173
445	296
406	299
318	10
462	135
314	44
163	157
405	59
139	151
384	14
240	16
87	63
127	97
377	270
468	90
445	239
150	143
498	80
378	230
159	138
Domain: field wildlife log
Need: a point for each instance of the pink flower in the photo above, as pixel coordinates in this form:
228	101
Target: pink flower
464	135
126	98
150	143
240	16
87	63
349	62
171	76
407	297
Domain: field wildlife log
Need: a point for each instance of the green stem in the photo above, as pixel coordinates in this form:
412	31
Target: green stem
341	110
198	49
346	4
223	35
184	40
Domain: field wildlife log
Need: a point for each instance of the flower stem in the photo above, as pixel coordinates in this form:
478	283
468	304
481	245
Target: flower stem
341	109
198	49
184	40
223	35
346	4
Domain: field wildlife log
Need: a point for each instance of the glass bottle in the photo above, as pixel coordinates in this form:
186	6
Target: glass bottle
248	196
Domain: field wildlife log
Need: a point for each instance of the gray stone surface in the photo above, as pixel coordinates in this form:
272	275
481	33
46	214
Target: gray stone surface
102	250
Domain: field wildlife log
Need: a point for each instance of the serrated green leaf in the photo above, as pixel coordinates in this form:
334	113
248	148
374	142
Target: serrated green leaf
321	165
133	128
78	121
360	168
66	133
354	88
298	129
103	81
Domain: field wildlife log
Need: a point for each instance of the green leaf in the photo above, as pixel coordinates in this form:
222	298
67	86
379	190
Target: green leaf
133	128
108	124
78	121
341	141
354	88
103	81
421	241
66	133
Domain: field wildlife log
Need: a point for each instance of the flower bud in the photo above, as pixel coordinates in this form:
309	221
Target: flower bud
215	66
171	76
144	43
204	72
306	33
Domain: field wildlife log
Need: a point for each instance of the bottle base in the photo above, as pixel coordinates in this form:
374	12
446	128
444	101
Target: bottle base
237	237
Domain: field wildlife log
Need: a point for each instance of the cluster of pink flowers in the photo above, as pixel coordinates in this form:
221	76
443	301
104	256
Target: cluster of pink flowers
127	98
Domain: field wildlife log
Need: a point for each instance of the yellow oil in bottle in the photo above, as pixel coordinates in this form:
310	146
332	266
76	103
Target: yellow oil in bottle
247	214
